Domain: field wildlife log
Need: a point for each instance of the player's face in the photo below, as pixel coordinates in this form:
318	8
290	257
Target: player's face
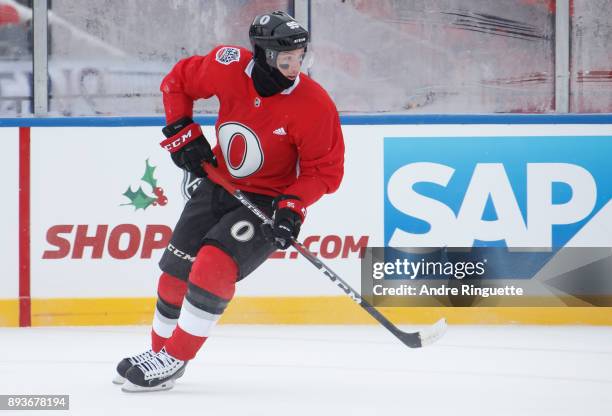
290	62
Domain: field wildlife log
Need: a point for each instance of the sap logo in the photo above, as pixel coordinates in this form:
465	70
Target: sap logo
489	185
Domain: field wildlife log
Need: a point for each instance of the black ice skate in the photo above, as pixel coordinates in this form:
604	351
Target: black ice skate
127	363
157	373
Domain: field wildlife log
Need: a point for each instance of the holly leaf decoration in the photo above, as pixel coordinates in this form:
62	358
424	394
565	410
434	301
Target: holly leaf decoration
139	199
148	175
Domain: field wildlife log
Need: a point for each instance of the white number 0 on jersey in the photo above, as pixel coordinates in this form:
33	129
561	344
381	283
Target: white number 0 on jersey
241	149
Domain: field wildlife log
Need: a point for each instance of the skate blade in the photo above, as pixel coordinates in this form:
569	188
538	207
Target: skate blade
118	379
121	380
130	387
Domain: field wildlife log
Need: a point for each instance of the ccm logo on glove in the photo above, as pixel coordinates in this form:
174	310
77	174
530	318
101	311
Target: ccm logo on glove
186	135
187	146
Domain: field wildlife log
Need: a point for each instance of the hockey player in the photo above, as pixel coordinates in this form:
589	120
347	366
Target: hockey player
279	141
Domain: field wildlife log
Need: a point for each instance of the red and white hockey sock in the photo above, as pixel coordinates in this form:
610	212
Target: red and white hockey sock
170	294
211	287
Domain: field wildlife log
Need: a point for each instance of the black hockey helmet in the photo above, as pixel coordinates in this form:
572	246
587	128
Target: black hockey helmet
277	31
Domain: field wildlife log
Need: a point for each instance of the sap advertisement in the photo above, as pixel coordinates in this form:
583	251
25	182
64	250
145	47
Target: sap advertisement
539	191
534	211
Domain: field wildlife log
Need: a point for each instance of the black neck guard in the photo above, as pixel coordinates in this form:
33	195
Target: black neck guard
267	80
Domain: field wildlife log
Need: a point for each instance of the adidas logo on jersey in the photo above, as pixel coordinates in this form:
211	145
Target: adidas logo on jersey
280	131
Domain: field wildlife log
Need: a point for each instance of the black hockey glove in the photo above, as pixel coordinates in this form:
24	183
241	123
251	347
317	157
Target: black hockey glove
289	213
187	146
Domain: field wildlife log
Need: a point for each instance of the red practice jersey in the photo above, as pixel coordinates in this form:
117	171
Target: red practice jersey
289	143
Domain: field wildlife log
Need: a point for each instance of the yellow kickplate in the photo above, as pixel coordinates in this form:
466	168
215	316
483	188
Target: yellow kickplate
9	312
294	310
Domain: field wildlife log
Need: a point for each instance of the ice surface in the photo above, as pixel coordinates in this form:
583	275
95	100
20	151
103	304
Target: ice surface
325	370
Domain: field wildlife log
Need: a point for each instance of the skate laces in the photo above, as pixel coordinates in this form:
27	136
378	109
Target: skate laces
137	359
160	365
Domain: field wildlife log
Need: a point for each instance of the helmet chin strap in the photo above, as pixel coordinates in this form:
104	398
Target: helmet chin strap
266	79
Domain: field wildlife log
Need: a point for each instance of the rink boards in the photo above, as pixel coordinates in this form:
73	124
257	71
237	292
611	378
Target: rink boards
103	200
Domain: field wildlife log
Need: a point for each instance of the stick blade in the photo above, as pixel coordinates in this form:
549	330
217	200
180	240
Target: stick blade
430	335
424	337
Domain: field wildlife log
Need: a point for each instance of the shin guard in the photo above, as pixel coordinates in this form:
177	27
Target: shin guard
211	286
170	293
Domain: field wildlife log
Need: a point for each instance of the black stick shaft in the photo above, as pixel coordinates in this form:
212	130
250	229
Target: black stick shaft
412	340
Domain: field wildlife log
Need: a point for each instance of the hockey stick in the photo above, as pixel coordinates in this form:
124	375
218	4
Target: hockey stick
411	339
